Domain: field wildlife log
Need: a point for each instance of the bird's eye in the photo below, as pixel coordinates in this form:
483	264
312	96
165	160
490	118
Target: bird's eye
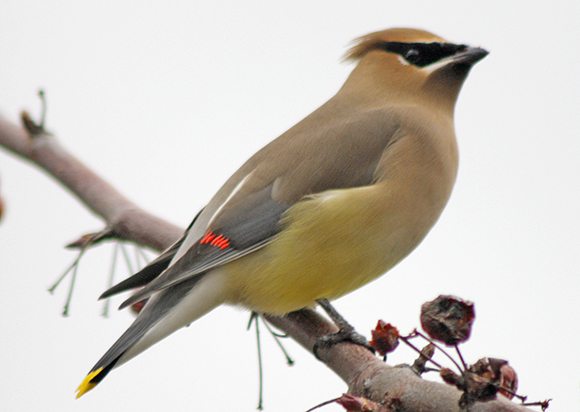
412	55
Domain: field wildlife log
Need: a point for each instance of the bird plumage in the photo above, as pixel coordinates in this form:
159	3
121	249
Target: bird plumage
330	205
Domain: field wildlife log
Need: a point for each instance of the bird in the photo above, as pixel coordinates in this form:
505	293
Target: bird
328	206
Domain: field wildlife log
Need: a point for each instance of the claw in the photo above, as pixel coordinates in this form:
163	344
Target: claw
346	332
343	335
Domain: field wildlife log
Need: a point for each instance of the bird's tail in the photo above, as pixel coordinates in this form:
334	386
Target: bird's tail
164	313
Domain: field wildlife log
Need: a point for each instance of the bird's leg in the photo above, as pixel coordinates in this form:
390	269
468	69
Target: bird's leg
346	332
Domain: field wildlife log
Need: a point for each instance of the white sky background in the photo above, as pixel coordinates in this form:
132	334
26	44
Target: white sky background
167	99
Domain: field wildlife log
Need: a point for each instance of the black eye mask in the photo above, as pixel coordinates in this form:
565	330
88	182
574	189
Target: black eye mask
423	54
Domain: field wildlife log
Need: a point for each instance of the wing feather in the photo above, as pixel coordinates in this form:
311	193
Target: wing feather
248	209
152	270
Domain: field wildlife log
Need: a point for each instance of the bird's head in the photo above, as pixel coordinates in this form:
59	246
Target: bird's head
412	63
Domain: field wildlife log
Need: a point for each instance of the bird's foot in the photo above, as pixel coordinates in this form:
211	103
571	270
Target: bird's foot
347	334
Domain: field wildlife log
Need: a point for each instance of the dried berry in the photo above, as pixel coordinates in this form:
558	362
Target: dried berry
483	380
508	378
477	388
448	319
499	372
385	338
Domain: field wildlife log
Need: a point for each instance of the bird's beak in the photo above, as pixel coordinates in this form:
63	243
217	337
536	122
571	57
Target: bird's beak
470	56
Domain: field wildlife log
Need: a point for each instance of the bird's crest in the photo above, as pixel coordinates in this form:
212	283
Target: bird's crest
376	40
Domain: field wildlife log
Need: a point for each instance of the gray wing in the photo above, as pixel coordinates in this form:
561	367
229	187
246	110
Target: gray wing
246	213
228	239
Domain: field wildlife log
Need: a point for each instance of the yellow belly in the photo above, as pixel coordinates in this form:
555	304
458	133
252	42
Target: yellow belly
332	244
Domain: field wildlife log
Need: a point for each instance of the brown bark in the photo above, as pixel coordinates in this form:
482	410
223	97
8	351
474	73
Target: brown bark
365	374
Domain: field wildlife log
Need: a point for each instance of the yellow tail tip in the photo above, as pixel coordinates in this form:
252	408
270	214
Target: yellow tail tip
86	385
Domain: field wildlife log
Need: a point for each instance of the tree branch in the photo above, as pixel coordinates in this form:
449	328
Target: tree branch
365	374
122	216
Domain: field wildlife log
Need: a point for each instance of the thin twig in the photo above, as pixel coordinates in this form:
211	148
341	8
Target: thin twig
137	257
277	337
461	357
543	404
254	319
91	239
522	398
260	367
418	333
33	128
107	302
58	281
43	108
406	340
72	284
320	405
127	258
86	242
251	320
142	254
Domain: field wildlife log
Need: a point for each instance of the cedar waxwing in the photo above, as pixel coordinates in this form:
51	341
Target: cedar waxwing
328	206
